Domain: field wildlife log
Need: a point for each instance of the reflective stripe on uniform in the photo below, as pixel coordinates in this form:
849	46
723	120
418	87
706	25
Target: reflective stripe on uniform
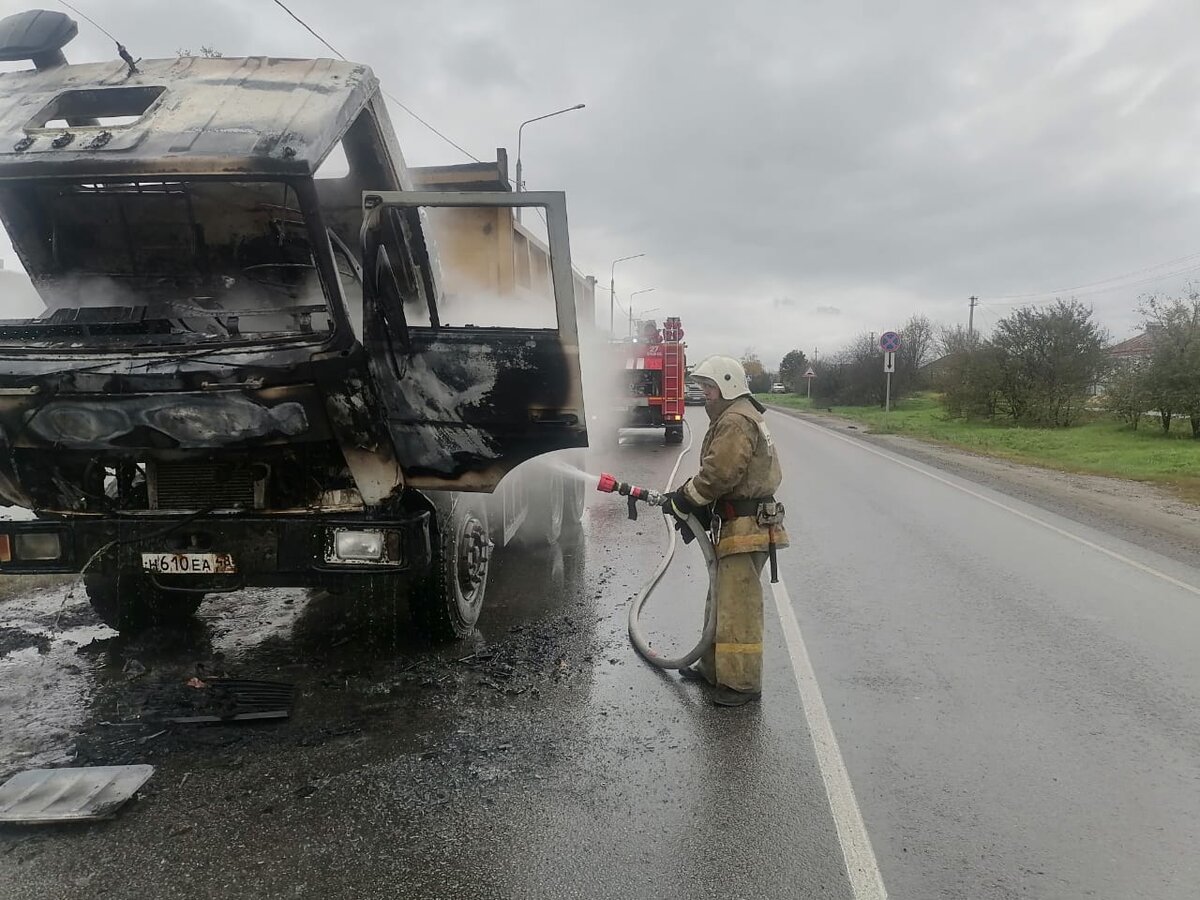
739	648
689	491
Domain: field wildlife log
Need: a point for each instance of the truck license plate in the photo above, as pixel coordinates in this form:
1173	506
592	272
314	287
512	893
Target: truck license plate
189	563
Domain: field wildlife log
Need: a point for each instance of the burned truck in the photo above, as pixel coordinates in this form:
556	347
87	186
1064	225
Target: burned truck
250	374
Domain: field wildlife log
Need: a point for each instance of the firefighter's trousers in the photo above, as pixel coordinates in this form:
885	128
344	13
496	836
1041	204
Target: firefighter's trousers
735	659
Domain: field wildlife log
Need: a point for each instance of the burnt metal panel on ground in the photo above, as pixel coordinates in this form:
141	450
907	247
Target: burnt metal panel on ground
45	796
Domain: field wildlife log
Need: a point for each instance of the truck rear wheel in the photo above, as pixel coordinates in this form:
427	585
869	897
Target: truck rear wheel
547	511
130	602
674	434
574	501
445	602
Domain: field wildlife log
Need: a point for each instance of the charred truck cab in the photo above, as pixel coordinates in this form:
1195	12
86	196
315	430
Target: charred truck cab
250	374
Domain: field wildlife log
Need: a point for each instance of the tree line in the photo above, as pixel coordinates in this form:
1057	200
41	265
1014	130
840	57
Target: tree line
1167	381
1041	366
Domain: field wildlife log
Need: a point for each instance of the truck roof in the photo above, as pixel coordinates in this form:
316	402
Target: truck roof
193	115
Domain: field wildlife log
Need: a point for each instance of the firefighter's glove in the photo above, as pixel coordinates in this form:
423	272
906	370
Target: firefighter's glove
680	507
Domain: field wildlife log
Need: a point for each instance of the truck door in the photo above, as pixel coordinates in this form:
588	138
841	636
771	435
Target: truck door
470	325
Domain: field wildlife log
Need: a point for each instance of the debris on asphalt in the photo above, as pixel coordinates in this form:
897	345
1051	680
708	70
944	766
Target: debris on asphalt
225	700
47	796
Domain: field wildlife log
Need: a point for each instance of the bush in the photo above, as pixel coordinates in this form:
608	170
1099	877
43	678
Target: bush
1038	368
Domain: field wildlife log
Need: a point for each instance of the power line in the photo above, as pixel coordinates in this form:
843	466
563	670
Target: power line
466	153
1191	257
1074	292
334	50
88	18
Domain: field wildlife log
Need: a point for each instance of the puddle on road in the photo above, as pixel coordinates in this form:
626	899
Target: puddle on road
59	664
45	685
80	694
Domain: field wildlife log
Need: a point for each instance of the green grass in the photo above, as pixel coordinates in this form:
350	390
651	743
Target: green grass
1101	447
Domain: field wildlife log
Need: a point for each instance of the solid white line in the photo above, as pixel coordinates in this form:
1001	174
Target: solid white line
1091	545
866	882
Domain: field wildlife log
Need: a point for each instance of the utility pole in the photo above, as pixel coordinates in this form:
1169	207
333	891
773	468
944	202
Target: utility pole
971	321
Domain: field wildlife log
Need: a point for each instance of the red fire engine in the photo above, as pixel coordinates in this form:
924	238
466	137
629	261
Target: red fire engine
655	370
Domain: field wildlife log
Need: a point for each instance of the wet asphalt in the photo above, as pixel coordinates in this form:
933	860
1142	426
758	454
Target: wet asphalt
1017	713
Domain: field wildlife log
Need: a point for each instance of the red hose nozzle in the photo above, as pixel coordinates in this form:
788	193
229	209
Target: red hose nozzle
608	484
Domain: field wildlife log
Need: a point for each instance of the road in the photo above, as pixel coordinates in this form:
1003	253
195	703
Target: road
965	696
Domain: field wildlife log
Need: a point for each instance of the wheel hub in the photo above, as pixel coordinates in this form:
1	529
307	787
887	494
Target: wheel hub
474	551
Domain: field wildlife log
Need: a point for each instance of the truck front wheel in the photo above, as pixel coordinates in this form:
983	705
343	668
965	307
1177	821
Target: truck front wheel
129	602
446	601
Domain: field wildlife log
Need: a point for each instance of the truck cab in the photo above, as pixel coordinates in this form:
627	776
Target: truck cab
246	374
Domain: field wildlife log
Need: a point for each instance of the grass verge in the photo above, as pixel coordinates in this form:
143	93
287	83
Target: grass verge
1100	447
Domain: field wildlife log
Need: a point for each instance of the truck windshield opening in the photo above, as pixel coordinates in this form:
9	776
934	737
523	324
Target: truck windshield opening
164	261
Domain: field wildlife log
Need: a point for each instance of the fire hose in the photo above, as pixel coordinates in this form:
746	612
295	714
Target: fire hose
610	485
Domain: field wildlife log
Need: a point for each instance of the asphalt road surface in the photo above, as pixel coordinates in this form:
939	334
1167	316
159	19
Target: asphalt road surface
965	696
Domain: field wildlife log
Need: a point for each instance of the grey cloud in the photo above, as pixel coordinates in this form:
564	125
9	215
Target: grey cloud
888	158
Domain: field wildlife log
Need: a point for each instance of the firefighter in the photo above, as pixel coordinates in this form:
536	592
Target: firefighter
734	492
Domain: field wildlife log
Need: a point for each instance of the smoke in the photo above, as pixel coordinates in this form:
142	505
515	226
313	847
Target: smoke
603	369
522	309
261	309
19	299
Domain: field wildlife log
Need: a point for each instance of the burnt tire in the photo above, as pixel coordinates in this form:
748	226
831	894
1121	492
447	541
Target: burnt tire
445	603
130	602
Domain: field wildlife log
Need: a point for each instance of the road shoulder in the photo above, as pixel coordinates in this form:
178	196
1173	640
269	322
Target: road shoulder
1143	514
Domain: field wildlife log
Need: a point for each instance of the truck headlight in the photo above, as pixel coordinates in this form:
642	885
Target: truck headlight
38	546
358	546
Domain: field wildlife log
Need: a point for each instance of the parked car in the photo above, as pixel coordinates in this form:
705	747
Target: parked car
693	395
779	388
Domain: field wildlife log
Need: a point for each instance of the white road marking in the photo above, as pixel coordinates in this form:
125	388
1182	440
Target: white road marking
1092	545
866	882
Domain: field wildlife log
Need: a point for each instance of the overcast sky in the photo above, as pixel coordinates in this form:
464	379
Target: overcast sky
796	172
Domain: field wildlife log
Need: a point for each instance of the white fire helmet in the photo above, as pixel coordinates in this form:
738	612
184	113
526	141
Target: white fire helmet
726	373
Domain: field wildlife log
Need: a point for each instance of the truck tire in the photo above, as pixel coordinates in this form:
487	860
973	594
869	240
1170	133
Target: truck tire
574	501
446	601
129	602
547	511
674	434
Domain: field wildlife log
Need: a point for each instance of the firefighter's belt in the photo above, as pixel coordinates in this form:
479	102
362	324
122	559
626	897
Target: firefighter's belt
735	509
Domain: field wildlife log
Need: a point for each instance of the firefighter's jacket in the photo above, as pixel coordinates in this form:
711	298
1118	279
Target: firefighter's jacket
737	462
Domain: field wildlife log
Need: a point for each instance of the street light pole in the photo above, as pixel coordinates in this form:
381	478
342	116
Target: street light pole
612	288
520	183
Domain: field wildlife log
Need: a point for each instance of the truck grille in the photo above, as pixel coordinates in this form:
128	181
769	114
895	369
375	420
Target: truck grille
192	485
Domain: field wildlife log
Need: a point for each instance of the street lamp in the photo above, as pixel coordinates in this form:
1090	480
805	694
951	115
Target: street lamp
520	183
612	287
